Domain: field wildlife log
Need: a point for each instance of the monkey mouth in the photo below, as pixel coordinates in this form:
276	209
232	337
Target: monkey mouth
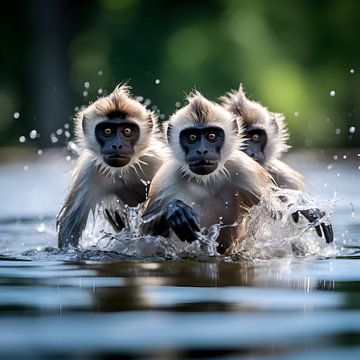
117	160
203	167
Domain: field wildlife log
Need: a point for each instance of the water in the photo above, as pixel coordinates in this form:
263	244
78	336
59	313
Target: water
93	304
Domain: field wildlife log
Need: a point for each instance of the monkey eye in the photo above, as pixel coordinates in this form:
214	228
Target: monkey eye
211	136
107	132
192	138
255	137
127	131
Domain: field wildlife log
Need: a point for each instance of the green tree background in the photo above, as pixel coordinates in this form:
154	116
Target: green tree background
297	57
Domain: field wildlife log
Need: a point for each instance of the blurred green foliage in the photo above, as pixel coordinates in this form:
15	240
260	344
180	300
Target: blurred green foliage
289	55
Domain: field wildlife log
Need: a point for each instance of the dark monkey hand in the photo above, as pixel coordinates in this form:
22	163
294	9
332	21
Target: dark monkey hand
313	216
183	220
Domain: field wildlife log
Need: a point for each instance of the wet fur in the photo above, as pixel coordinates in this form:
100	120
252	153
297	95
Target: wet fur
95	183
253	113
226	195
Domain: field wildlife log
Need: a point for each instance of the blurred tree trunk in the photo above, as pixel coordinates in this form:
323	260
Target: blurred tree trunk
51	28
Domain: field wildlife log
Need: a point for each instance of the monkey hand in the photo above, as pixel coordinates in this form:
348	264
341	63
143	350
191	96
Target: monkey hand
183	220
314	216
115	220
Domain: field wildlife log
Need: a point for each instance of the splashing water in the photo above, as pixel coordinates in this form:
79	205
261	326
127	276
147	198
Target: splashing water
278	235
128	242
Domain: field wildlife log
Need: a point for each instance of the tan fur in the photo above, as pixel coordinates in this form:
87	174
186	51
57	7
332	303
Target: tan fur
253	113
226	195
94	182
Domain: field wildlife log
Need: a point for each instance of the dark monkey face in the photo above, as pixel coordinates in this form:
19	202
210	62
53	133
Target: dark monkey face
256	140
117	137
202	147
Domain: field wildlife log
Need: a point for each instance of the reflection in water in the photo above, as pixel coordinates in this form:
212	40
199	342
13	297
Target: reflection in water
264	307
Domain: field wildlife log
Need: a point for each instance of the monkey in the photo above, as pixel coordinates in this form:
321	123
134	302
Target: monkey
120	143
267	137
205	178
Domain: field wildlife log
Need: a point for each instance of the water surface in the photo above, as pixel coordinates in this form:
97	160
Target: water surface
92	304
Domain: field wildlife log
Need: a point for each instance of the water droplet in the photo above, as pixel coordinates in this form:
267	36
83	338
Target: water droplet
40	152
157	81
338	174
337	131
76	108
67	134
329	167
177	104
352	129
26	167
147	102
72	146
85	93
100	73
22	139
33	134
344	157
68	158
16	115
53	138
352	71
59	131
325	184
332	93
140	98
86	84
296	113
162	116
336	157
100	91
66	126
40	228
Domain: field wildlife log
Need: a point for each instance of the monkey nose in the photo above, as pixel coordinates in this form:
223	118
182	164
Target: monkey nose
117	147
202	151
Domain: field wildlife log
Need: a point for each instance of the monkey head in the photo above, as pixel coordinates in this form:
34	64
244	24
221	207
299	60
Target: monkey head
116	128
117	137
265	131
201	136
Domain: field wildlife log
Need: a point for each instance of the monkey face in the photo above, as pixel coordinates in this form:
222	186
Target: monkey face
117	137
202	147
255	144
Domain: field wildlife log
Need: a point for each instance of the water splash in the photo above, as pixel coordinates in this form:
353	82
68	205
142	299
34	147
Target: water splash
278	235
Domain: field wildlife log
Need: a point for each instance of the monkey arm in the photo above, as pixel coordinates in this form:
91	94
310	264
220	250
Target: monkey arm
162	211
82	197
285	176
288	178
252	180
